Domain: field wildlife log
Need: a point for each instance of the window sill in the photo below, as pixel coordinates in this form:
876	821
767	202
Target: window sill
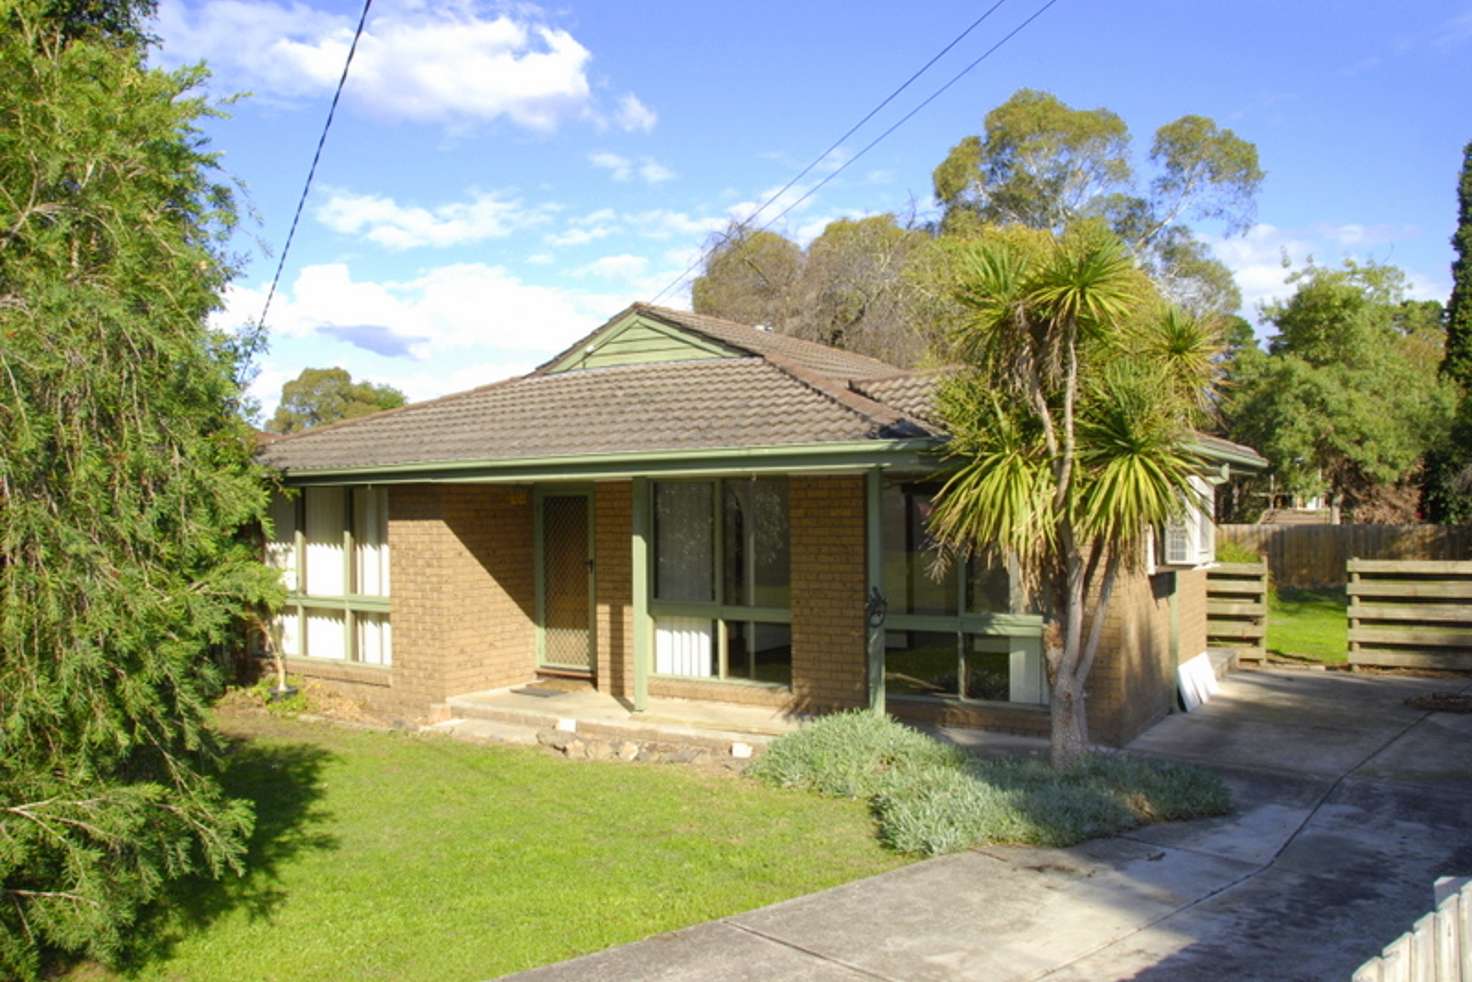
339	670
1027	707
711	679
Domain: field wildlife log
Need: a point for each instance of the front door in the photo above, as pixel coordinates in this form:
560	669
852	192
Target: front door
566	590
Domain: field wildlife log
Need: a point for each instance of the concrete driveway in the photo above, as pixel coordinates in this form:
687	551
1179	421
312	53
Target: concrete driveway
1349	805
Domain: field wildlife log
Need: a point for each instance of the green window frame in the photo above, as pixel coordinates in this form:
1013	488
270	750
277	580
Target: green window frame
727	619
1012	632
349	604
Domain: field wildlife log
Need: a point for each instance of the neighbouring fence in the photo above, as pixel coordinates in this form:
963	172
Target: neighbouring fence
1237	607
1309	556
1437	949
1410	614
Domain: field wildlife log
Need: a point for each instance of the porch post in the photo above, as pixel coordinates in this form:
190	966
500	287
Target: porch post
643	623
874	594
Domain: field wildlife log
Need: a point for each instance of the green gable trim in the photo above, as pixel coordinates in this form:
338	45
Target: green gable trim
639	340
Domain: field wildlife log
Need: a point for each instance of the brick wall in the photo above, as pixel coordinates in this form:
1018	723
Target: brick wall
461	587
1133	682
1191	585
829	582
613	587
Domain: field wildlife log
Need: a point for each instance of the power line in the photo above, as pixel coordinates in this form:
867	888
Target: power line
312	171
871	144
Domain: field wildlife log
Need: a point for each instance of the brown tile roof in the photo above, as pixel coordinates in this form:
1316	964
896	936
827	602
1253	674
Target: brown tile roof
913	395
664	406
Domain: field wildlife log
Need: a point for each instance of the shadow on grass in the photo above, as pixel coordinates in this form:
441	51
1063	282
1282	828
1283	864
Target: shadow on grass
283	782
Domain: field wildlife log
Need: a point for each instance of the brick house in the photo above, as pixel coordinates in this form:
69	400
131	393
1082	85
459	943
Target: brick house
681	506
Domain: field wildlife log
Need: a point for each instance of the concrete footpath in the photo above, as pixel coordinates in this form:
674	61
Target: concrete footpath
1348	805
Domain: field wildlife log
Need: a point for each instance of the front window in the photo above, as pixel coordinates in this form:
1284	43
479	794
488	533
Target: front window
722	580
331	545
951	630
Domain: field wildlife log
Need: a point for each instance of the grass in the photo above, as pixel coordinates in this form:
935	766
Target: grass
392	856
1309	624
930	798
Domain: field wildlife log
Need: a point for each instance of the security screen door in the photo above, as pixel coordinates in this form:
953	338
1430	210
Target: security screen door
567	582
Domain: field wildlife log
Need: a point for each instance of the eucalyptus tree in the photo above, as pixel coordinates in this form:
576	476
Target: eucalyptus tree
1042	163
1071	417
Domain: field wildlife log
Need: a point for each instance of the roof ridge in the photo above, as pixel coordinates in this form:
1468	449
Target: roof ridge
669	313
840	392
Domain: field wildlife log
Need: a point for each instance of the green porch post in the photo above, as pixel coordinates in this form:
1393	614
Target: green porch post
875	590
643	623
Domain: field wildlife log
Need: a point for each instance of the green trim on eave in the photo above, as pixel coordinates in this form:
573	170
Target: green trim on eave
649	341
802	456
1218	453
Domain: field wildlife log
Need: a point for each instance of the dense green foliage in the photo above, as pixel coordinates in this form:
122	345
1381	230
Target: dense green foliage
326	395
1448	490
395	856
855	754
931	798
1071	421
125	477
877	285
1459	308
1346	400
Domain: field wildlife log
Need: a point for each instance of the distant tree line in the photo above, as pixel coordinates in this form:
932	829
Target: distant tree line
1359	396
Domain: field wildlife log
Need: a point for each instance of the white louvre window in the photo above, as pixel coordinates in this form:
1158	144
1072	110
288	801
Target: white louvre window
337	604
683	646
1205	521
1178	542
370	541
281	543
326	515
375	639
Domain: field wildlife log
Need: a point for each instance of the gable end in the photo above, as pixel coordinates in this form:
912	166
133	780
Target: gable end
640	340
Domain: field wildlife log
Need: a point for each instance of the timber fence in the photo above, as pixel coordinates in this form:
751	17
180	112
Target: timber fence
1237	608
1437	949
1314	556
1410	614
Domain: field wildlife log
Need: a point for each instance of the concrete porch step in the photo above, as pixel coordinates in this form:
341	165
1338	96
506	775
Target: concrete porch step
1223	661
608	720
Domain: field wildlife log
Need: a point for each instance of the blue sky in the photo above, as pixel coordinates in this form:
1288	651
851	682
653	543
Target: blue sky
501	178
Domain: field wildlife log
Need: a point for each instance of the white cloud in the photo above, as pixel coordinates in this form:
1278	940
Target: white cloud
652	171
634	116
621	267
578	235
461	306
1257	259
621	168
381	219
450	62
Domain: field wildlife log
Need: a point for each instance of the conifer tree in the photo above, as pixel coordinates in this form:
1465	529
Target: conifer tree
125	477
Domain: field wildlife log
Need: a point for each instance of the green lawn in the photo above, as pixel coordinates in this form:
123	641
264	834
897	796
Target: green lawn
392	856
1309	624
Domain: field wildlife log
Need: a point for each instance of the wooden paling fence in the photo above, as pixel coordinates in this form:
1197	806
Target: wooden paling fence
1309	556
1410	614
1437	949
1237	608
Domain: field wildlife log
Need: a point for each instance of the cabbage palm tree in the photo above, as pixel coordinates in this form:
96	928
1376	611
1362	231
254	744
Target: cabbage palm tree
1070	421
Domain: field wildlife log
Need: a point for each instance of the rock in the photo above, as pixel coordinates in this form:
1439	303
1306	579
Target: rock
628	750
576	748
682	755
599	750
741	751
701	758
557	740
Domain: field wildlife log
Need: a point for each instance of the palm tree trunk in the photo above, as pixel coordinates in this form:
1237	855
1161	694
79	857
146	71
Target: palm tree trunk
1069	732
